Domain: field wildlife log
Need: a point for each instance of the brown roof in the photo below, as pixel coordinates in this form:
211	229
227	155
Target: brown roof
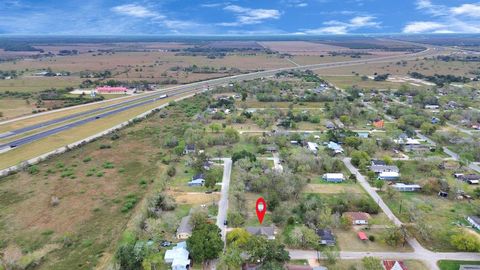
357	215
390	265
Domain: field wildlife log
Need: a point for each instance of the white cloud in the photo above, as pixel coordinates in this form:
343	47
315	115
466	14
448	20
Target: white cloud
342	28
246	16
472	10
421	27
457	19
134	11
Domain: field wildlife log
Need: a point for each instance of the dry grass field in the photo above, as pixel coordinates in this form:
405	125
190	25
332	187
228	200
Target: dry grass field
12	108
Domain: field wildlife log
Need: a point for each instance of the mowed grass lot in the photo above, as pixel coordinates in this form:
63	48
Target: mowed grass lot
455	265
34	84
357	264
100	189
11	108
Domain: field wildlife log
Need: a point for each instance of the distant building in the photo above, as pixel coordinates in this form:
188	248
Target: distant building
384	168
377	162
178	257
389	176
333	177
184	230
111	90
393	265
335	147
196	183
432	107
379	123
474	221
406	188
326	237
268	232
329	125
313	147
189	148
358	218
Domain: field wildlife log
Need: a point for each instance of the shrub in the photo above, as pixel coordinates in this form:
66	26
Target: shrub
33	170
87	159
171	171
108	165
371	238
100	174
130	202
105	146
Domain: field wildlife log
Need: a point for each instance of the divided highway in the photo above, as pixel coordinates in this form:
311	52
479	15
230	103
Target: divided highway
79	119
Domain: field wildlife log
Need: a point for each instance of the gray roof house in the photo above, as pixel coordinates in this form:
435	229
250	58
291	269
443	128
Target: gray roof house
184	230
268	232
326	237
384	168
178	257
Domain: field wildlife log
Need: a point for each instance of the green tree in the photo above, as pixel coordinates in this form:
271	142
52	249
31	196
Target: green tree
231	260
232	135
379	184
465	242
213	176
427	128
477	192
205	244
238	237
198	217
394	236
353	142
215	127
372	263
130	256
266	252
303	237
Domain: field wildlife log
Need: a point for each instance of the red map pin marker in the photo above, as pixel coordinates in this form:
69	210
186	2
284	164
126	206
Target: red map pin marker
261	208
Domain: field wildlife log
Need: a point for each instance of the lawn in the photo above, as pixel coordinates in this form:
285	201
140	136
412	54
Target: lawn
455	265
349	241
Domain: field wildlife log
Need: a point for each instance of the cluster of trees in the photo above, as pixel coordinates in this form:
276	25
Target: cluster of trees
96	74
246	248
439	79
8	73
381	77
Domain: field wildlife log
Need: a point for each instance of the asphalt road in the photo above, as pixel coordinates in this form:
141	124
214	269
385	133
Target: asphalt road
223	203
177	90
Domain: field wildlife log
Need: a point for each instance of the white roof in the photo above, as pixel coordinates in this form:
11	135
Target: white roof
389	174
333	176
406	186
312	146
412	141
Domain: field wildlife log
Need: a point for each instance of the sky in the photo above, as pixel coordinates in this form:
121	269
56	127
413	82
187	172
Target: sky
237	17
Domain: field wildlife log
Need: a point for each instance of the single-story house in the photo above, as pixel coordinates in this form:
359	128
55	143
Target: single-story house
379	123
271	148
384	168
473	182
196	183
339	123
358	218
432	107
184	230
468	177
362	236
469	267
393	265
329	125
268	232
405	187
474	221
326	237
178	257
389	176
377	162
313	147
189	148
333	177
335	147
363	134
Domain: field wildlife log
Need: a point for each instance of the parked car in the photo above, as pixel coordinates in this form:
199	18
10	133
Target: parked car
166	243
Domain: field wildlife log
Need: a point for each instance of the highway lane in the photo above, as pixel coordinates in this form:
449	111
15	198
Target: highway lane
173	91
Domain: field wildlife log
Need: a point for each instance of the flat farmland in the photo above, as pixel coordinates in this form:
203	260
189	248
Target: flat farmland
302	47
33	84
11	108
426	67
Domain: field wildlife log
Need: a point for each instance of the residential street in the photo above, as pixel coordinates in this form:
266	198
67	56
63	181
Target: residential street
420	253
223	203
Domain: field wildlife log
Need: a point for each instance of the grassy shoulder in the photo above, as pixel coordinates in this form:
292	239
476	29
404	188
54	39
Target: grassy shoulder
455	265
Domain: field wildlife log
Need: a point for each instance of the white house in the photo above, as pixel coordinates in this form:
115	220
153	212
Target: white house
405	187
432	107
389	176
313	147
358	218
178	257
333	177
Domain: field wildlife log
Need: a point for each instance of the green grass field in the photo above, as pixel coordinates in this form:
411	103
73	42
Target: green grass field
455	265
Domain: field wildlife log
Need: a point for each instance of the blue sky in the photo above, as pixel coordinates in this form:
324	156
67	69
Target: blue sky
238	17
